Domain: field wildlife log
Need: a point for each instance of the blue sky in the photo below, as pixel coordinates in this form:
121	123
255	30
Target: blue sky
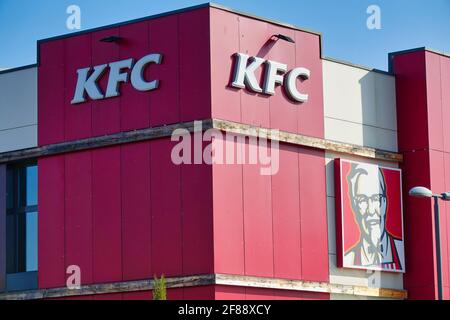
405	24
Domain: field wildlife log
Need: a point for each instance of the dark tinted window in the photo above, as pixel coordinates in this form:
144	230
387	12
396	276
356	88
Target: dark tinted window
21	219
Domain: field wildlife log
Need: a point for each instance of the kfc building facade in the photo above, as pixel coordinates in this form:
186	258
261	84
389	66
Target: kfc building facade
106	174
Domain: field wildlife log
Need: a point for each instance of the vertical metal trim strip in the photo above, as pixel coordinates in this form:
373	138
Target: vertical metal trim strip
2	228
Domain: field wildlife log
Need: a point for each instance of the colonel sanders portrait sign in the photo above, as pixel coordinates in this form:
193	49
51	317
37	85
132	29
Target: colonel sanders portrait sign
369	219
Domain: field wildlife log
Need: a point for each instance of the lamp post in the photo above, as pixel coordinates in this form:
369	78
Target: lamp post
422	192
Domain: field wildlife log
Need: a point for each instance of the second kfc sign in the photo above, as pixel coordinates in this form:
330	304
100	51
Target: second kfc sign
369	220
276	74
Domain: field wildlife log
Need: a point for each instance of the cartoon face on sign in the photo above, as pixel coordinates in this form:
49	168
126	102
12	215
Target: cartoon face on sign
369	217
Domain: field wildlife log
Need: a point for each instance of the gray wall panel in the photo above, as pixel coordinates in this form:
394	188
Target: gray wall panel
18	109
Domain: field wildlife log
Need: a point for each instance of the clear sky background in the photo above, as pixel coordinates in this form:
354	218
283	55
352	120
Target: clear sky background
405	24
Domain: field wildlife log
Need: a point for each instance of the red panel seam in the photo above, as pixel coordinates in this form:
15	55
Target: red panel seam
151	209
242	166
121	205
181	169
299	180
445	175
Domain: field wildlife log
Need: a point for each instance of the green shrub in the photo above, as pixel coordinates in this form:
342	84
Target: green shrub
159	289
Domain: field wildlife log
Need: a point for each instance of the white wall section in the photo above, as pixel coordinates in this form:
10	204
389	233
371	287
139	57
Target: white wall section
360	108
18	109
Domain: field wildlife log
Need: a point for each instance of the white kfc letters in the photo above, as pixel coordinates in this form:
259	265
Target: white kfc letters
244	76
124	71
118	72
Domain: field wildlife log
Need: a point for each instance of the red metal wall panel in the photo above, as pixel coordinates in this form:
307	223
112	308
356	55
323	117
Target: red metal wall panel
82	298
106	112
445	100
141	295
195	68
411	108
189	293
230	34
229	254
313	215
175	294
418	212
225	39
446	225
259	294
230	293
438	176
284	224
286	216
217	292
242	293
51	93
272	209
300	295
166	211
283	111
136	213
196	191
310	114
51	231
134	111
438	74
165	102
258	223
107	215
434	102
184	75
199	293
143	215
109	297
77	119
421	77
411	101
78	213
255	109
124	213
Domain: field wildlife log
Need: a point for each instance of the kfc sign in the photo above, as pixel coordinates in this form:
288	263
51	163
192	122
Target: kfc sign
118	72
244	77
369	220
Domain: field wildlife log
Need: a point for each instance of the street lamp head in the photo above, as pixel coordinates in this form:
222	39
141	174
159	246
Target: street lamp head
446	196
420	192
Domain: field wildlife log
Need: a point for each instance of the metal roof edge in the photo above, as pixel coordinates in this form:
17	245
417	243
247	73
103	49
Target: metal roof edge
29	66
350	64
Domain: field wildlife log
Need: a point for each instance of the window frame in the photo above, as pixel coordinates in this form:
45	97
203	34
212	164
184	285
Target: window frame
20	281
2	227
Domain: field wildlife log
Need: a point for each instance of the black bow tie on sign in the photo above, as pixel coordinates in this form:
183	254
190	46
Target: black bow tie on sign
376	251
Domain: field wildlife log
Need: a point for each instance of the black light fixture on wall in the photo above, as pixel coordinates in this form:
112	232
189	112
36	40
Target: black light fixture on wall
285	38
111	39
